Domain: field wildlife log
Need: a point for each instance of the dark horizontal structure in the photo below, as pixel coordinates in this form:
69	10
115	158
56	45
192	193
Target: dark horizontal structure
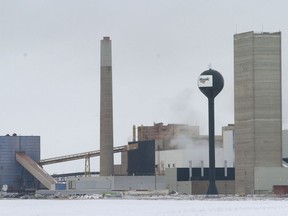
202	174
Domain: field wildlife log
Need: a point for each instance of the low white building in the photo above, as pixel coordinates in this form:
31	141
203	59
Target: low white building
103	184
194	152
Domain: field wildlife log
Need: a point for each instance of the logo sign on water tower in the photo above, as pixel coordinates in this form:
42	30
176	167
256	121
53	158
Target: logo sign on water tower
205	81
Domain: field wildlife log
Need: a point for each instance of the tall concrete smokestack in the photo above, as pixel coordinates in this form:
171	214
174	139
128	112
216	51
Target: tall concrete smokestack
106	110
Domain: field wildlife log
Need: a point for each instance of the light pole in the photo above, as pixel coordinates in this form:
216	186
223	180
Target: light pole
210	84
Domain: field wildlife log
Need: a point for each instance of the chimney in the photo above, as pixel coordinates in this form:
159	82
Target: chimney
106	110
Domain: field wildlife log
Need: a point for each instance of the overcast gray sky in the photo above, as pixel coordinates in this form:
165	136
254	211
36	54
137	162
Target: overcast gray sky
50	65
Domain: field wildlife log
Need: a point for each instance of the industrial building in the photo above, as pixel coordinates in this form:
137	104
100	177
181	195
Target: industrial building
104	184
175	157
179	145
258	109
181	154
176	161
19	169
166	133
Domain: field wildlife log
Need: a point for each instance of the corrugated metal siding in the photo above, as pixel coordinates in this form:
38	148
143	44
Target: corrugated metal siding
11	172
141	161
8	164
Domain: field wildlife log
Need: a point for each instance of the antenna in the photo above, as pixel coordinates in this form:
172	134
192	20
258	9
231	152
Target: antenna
262	28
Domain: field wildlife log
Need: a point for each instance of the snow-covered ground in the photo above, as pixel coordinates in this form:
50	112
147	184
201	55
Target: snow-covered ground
145	207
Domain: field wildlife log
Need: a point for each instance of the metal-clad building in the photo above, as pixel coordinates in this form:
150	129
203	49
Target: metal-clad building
11	172
141	161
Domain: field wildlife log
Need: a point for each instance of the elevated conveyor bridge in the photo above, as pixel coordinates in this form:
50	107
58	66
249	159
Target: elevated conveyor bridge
79	156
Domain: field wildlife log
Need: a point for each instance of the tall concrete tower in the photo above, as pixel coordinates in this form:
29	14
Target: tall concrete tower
106	110
258	112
